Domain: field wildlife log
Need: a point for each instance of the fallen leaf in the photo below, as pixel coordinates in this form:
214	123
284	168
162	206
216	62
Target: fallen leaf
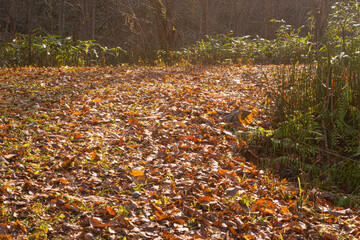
137	173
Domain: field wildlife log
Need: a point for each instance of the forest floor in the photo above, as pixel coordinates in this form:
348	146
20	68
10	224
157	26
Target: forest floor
142	153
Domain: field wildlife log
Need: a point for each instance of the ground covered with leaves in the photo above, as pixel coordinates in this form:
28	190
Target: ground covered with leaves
143	153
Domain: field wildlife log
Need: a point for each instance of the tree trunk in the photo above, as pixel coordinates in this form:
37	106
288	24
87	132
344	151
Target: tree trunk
93	20
50	15
269	12
321	19
61	18
13	17
87	8
30	30
204	12
167	34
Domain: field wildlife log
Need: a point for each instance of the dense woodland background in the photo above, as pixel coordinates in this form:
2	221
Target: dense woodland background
140	26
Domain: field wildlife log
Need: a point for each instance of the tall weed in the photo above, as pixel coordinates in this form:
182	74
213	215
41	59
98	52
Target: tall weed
318	105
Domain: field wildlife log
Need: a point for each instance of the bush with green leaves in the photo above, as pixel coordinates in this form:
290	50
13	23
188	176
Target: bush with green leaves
325	94
289	46
53	51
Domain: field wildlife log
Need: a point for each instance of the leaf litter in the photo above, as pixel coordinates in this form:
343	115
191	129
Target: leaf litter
144	153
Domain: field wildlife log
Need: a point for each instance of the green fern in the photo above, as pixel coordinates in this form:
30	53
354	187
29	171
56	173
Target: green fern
345	132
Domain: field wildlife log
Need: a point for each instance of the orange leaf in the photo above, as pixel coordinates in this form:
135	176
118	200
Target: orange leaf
94	156
284	210
222	171
77	113
132	146
5	237
133	121
18	223
97	100
197	236
85	108
249	237
103	225
96	221
205	199
111	211
298	230
190	137
160	216
77	135
64	180
151	193
240	159
137	173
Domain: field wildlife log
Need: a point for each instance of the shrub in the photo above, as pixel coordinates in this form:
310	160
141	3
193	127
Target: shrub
53	51
318	104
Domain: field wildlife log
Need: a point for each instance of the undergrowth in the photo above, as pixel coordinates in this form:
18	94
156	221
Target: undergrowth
52	51
317	106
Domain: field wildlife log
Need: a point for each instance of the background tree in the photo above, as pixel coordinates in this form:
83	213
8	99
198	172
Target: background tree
140	27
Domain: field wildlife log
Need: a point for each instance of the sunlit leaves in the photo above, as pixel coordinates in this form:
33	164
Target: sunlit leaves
139	152
245	117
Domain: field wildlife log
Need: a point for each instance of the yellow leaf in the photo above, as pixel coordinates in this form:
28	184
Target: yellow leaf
97	100
137	173
245	117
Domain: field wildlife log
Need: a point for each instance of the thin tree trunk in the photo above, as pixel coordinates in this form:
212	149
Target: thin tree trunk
13	16
83	19
30	30
50	15
61	18
166	31
321	19
269	31
87	8
93	19
204	12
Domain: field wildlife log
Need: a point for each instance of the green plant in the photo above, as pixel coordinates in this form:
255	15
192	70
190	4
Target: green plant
317	104
50	51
